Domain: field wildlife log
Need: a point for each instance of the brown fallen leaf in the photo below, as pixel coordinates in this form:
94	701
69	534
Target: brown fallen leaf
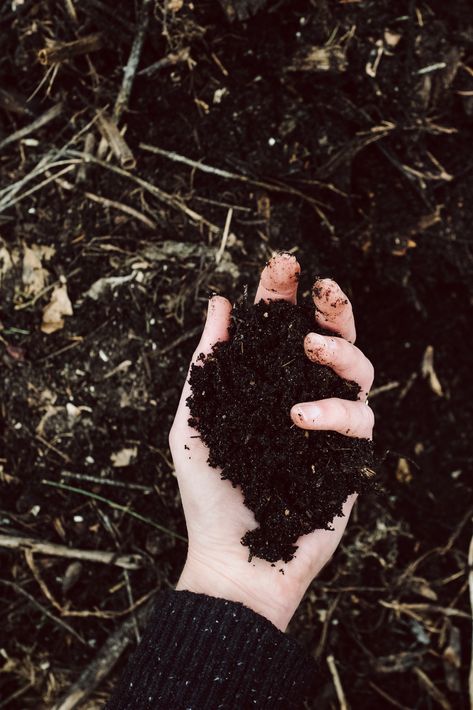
58	307
34	276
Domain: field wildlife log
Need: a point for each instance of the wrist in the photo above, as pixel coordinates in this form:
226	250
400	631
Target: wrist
211	579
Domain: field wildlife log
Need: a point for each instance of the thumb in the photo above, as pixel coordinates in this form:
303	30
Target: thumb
216	326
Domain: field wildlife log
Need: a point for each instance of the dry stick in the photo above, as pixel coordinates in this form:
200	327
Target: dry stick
165	197
470	584
89	144
337	683
61	51
109	130
169	60
271	187
83	613
38	123
432	689
411	609
113	204
41	184
49	548
387	697
47	613
181	339
383	388
226	231
104	661
121	103
47	162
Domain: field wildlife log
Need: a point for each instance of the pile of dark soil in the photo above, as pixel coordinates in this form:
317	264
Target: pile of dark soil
295	481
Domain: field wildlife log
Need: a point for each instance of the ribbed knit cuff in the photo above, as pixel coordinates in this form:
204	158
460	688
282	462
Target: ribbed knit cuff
203	653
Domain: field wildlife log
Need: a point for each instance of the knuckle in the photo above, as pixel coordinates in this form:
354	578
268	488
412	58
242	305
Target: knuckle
369	370
369	415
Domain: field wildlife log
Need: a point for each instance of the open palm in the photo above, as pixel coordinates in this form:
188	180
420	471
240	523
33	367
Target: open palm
217	563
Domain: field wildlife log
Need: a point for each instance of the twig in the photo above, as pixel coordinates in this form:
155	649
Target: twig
383	388
470	584
106	614
109	130
410	609
387	697
270	186
104	661
41	184
89	144
35	125
117	506
107	481
61	51
121	103
432	689
337	683
169	60
181	339
113	204
165	197
45	611
223	243
49	548
47	162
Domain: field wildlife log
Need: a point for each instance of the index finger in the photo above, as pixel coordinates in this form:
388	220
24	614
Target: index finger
279	279
333	310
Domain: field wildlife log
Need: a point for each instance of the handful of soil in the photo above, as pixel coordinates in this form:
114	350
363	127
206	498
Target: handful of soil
294	481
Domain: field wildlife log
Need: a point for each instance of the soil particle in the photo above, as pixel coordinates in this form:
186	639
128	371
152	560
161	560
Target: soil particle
293	480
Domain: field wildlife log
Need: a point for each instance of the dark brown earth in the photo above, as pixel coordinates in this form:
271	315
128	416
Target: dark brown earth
294	481
348	126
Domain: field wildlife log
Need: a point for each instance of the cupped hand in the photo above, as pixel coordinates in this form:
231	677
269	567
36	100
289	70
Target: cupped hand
217	563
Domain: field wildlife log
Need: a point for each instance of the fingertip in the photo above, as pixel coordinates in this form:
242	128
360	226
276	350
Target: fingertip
279	278
315	347
217	322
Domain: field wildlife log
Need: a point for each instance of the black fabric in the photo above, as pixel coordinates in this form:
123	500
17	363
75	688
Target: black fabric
203	653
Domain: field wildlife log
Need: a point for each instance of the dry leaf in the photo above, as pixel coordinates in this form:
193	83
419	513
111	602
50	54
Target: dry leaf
123	457
34	276
403	471
58	307
175	5
429	373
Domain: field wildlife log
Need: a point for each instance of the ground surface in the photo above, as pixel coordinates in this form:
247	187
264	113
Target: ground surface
349	126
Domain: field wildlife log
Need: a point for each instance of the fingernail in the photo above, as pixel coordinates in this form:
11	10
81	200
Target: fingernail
305	412
315	340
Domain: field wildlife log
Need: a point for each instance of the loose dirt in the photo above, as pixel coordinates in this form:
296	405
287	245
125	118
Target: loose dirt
295	481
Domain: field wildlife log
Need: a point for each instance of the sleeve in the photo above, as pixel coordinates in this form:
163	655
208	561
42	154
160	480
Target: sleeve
204	653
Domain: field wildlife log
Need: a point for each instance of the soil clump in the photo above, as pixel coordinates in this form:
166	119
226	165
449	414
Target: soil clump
295	481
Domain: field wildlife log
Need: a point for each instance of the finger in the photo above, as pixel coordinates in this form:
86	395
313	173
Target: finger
354	419
343	358
279	279
216	325
215	330
333	310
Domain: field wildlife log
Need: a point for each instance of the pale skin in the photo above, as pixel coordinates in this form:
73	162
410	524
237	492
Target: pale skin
217	563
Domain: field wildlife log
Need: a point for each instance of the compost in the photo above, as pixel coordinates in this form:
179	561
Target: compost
295	481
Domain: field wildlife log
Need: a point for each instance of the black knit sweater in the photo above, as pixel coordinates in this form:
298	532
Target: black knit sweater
203	653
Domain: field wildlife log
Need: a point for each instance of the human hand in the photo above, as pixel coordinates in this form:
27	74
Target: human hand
217	562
